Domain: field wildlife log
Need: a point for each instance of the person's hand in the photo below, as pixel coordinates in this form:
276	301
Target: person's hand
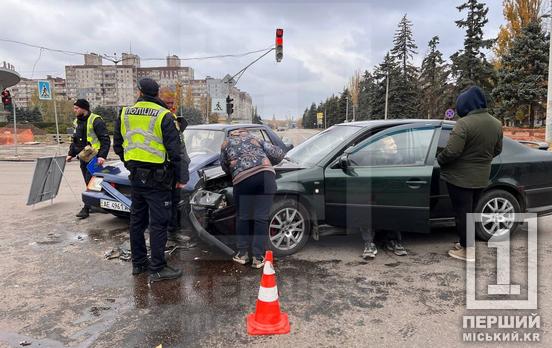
101	161
68	158
180	185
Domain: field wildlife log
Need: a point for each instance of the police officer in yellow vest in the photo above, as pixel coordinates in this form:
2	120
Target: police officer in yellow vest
147	140
90	130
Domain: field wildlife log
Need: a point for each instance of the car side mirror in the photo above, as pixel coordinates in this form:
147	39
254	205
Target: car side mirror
344	161
288	146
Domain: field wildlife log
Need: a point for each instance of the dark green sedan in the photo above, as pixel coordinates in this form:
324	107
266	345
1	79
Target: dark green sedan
377	173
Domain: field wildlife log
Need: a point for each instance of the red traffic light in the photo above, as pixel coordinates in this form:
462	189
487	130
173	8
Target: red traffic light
279	44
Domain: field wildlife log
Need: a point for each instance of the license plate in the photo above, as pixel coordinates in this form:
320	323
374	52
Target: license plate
107	204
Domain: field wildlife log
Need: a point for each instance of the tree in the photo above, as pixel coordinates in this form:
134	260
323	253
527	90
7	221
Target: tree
469	65
23	115
191	115
433	82
518	14
310	119
108	113
255	117
189	97
64	108
522	78
403	52
388	69
366	97
354	87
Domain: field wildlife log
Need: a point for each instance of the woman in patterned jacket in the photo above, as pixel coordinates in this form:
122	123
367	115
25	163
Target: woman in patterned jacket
249	161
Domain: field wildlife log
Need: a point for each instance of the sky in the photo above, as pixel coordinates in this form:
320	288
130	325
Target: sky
324	41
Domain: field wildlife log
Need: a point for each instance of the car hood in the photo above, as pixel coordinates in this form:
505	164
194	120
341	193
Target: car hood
117	173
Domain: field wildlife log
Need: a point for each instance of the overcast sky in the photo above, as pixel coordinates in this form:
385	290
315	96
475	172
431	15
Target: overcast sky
324	41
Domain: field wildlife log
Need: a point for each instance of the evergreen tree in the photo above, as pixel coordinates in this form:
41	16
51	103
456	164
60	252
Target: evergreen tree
433	83
310	118
343	111
366	97
522	79
469	65
387	69
403	52
304	118
255	117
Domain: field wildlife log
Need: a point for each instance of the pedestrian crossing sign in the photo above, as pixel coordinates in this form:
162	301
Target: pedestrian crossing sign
44	91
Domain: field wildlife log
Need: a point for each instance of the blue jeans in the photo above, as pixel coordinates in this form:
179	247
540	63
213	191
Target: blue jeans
253	199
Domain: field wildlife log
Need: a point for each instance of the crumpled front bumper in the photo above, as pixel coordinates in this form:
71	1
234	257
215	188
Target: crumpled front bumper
207	237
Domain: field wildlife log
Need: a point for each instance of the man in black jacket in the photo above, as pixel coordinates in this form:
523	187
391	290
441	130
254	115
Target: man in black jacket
148	142
90	130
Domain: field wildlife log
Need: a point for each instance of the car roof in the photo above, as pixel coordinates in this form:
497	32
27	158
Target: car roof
394	122
224	126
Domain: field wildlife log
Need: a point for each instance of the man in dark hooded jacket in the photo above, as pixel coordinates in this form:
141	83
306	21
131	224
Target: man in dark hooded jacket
466	160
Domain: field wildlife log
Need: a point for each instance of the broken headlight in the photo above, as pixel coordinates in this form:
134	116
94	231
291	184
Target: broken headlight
208	199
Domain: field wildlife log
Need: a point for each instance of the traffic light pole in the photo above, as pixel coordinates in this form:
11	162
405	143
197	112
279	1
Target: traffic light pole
15	128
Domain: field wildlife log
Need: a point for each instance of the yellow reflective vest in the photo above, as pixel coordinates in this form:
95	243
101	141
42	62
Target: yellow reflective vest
142	134
91	136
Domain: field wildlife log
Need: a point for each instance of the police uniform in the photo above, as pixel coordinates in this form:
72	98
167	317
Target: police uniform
90	130
147	140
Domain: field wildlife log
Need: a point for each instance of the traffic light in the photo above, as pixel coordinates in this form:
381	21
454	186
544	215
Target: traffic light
229	106
279	44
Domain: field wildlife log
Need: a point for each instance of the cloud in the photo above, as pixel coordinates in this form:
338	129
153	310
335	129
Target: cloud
324	41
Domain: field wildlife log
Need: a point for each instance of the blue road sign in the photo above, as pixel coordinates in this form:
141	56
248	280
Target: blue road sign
44	91
449	114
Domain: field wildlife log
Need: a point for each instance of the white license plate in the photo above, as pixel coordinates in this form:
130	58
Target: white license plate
107	204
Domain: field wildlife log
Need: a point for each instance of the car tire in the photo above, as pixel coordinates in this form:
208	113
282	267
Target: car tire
296	227
501	202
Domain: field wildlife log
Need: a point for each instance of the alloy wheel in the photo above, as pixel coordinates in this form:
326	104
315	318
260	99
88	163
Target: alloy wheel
497	217
287	228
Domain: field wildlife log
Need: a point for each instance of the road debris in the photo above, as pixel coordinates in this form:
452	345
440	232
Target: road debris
25	343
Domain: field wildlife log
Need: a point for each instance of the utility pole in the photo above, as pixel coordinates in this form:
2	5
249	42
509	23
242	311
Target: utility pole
387	94
347	110
14	127
548	136
325	119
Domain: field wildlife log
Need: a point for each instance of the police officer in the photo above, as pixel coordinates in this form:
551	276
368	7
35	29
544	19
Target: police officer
90	130
179	219
148	142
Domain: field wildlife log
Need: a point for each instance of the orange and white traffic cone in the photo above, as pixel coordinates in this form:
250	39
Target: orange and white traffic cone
267	319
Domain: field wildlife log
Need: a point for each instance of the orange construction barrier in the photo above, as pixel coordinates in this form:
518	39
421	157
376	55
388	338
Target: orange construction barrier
23	136
267	319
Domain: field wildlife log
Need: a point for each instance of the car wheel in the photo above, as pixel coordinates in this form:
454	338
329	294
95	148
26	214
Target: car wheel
497	209
289	227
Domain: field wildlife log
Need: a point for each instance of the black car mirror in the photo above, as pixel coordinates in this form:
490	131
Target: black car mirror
288	146
344	161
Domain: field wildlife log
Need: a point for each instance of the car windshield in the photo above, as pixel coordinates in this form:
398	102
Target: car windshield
203	141
311	151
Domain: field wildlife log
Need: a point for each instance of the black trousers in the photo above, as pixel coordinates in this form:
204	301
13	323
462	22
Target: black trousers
368	235
150	206
253	199
464	201
86	175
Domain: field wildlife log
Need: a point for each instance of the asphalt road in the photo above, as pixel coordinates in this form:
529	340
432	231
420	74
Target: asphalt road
58	290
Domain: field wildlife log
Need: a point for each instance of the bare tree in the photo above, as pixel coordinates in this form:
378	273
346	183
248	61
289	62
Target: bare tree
354	89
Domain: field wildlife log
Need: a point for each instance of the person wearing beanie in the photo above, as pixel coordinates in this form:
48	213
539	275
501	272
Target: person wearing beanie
466	161
89	129
147	140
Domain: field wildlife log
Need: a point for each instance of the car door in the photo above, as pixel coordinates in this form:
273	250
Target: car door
384	182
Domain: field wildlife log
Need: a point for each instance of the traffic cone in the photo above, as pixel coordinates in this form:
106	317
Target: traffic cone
267	319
